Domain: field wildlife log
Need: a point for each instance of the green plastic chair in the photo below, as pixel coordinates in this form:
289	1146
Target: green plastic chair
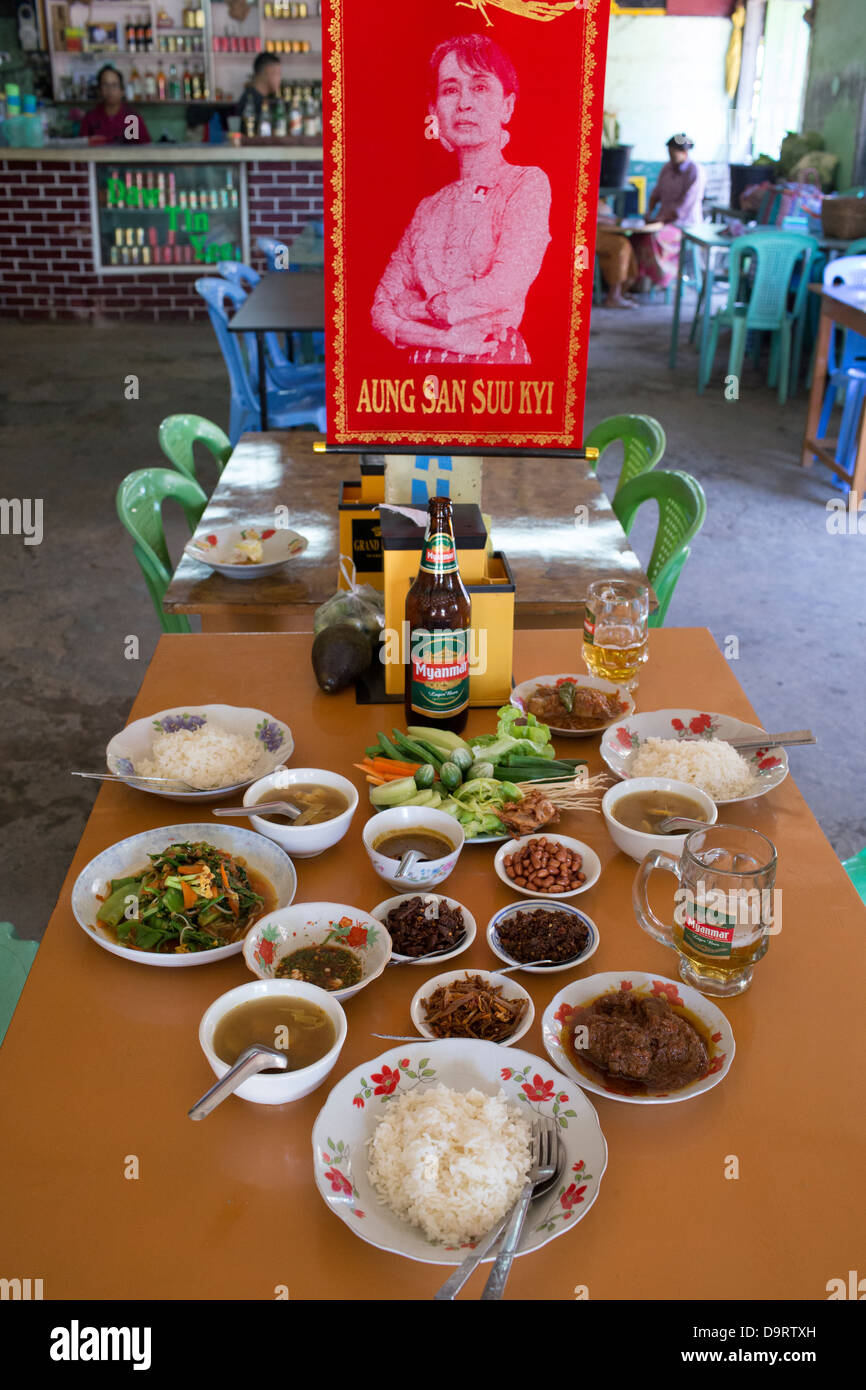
139	506
179	433
16	958
643	443
773	305
682	512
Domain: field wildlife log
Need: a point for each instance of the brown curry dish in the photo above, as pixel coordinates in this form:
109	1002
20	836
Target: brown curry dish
568	705
638	1044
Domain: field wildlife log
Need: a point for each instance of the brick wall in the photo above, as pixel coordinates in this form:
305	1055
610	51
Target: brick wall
46	242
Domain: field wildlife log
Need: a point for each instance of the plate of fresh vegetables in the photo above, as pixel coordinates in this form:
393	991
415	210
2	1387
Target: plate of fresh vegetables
485	782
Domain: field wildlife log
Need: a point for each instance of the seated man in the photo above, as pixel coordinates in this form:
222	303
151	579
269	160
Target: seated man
616	260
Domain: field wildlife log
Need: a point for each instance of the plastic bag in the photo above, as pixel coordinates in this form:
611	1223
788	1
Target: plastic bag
360	605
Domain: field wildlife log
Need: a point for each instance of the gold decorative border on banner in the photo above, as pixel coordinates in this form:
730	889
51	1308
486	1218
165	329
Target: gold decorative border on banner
534	438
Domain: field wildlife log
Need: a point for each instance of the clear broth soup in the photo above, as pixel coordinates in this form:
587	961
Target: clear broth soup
644	811
295	1026
429	843
317	803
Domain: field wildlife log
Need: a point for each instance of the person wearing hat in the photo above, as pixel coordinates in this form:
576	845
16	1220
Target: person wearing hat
675	201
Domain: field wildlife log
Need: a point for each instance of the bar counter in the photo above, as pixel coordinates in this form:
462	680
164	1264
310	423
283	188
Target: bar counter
54	261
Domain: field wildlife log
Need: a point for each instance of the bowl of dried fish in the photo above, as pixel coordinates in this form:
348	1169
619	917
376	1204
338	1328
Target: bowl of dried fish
475	1004
420	924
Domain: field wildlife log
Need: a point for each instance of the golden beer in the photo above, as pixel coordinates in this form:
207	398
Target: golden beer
613	659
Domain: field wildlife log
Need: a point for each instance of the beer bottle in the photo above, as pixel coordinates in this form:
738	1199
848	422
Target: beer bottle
437	630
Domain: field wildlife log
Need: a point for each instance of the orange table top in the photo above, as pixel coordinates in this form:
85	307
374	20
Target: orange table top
102	1062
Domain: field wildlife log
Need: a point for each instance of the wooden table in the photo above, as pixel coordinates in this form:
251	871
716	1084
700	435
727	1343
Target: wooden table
844	305
553	553
282	302
102	1061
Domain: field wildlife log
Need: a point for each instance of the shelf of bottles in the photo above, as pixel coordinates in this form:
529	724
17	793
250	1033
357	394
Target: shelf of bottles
183	217
162	57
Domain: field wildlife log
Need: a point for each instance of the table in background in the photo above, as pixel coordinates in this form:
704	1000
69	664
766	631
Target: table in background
554	555
102	1059
282	302
712	238
844	305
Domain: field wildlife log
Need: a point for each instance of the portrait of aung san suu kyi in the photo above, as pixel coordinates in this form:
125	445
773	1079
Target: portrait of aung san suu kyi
455	288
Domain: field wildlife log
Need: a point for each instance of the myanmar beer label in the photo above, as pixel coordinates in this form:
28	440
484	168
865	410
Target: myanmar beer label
440	671
439	555
715	938
589	628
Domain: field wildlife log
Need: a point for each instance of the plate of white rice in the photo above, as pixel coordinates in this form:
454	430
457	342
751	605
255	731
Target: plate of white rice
203	752
423	1149
693	746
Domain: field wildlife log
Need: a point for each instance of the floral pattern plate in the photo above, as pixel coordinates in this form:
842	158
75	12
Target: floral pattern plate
318	924
132	746
129	855
623	739
521	693
215	548
579	992
348	1118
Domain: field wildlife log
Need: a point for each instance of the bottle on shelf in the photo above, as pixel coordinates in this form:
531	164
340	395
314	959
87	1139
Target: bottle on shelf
148	34
296	115
248	115
195	85
174	87
133	85
129	34
266	129
281	125
140	37
150	85
160	83
205	89
187	84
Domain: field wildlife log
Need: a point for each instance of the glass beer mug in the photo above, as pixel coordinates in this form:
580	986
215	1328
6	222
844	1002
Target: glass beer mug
725	906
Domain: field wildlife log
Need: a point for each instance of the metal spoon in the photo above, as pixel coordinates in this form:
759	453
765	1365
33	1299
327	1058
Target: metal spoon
407	863
254	1059
262	808
428	955
134	776
675	823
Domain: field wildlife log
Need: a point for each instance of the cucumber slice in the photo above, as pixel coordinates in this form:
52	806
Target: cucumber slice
425	776
450	776
395	793
462	758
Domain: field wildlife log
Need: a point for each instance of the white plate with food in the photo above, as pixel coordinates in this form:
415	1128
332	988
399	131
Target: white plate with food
573	706
524	932
246	552
451	1090
438	923
570	864
202	752
652	1041
170	906
678	743
339	948
473	1004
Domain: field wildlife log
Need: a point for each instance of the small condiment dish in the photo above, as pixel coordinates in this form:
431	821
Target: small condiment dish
591	865
303	841
318	924
499	950
510	990
427	872
274	1088
638	843
470	926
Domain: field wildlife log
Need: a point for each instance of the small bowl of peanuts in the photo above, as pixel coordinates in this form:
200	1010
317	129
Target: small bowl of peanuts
547	866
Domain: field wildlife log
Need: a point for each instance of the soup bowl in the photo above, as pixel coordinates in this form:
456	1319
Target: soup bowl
638	843
318	924
428	872
303	841
275	1088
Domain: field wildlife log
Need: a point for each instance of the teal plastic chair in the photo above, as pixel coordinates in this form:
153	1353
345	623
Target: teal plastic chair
774	302
642	438
139	506
682	512
855	868
16	958
179	433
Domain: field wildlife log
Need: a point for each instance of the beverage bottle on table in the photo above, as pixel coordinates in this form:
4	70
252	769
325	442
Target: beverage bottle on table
438	616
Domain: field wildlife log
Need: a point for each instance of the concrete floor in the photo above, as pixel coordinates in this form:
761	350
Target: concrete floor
764	569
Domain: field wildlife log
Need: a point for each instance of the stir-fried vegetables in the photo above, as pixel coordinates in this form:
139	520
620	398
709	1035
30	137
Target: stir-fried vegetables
193	897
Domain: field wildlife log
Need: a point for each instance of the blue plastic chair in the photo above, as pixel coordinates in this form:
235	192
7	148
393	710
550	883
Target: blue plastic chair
282	372
274	250
769	281
303	405
847	349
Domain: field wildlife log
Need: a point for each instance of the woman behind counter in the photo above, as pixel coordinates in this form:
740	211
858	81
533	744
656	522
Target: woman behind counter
112	122
455	288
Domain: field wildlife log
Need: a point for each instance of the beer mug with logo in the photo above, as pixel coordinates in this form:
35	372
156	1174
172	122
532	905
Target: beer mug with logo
725	909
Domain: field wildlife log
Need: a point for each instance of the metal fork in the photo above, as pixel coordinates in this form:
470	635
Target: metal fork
543	1167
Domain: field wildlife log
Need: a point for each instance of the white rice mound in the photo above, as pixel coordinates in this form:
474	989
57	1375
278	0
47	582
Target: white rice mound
713	765
450	1162
204	758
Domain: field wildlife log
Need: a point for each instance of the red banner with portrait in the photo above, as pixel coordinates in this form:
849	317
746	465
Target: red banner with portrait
461	186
